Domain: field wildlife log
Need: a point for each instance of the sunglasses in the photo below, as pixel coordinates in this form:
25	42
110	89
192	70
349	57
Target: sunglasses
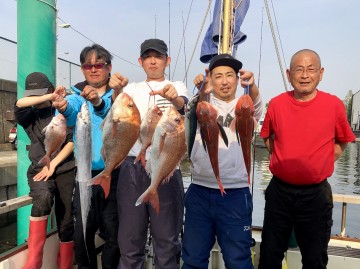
97	66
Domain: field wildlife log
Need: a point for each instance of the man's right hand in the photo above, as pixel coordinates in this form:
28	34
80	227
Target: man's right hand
203	84
59	102
117	82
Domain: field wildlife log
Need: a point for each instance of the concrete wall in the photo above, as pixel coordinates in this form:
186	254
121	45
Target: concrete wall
8	95
8	182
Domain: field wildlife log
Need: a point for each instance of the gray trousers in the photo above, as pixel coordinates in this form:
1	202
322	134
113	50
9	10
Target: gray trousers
134	220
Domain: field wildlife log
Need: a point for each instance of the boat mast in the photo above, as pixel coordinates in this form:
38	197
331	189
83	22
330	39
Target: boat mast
226	24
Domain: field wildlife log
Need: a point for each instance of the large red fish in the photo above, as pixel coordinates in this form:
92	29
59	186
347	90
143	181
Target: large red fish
244	126
121	129
210	130
167	150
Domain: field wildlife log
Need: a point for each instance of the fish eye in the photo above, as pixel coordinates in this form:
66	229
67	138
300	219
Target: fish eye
130	105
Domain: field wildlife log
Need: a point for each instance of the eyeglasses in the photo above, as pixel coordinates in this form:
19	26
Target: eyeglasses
97	66
301	70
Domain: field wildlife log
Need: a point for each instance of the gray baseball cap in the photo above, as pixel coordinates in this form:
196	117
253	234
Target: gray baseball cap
36	84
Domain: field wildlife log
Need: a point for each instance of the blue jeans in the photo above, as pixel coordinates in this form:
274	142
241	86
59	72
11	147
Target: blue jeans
228	218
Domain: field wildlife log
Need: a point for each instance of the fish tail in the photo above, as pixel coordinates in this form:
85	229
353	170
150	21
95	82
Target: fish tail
45	160
104	181
222	190
141	158
151	197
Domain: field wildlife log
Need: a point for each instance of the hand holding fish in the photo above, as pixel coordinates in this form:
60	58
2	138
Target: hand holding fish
90	94
247	80
203	84
168	92
45	173
117	82
59	102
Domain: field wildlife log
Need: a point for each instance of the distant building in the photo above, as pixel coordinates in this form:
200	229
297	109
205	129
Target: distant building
355	113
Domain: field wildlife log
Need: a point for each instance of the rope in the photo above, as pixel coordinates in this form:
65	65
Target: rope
185	59
277	29
197	40
276	46
261	39
182	39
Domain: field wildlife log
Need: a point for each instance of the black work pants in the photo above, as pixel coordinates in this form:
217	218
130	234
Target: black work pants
102	214
307	209
60	187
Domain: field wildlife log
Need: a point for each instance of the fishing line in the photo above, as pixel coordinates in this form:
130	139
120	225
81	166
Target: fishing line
247	91
150	95
247	88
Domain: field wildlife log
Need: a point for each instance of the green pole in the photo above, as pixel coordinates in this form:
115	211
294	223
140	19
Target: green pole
36	51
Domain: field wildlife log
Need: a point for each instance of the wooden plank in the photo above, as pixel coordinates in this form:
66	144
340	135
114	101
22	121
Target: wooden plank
13	204
350	199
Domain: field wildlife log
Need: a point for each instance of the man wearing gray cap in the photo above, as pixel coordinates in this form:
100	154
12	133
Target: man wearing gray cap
133	179
211	215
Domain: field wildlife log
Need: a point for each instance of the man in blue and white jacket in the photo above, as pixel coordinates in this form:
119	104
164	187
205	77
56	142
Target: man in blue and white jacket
96	67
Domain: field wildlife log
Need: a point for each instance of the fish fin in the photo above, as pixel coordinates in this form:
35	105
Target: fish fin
151	197
113	131
203	139
222	190
45	160
232	126
102	153
237	133
168	177
254	125
141	158
192	131
102	125
137	158
223	135
44	130
104	181
161	144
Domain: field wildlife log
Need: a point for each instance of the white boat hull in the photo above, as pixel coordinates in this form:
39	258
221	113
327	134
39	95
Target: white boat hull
16	258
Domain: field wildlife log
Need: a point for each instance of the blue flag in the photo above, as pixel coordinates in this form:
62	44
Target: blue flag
209	47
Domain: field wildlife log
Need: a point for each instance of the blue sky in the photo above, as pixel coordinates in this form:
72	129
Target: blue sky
329	27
